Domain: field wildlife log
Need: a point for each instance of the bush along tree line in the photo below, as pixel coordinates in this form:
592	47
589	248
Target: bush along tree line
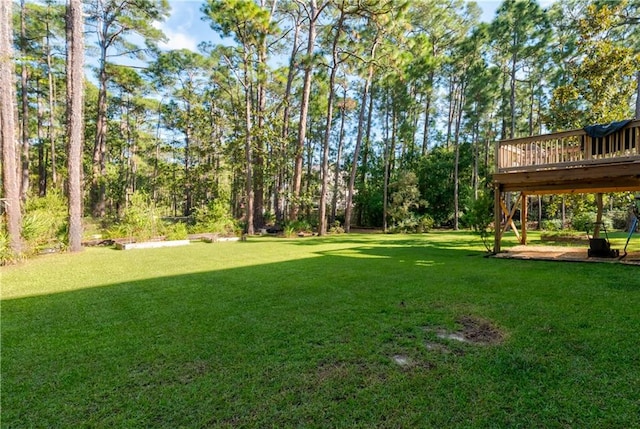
310	114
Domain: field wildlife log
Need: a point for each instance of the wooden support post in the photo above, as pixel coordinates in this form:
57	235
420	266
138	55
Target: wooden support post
587	147
524	214
509	214
497	215
600	207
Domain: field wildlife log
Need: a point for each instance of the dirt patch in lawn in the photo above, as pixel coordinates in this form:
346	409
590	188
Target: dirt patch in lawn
479	331
474	331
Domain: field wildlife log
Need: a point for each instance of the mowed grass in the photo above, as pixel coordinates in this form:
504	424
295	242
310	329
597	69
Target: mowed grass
306	333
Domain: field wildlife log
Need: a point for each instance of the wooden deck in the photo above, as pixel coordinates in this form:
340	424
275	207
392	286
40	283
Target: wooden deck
560	163
570	161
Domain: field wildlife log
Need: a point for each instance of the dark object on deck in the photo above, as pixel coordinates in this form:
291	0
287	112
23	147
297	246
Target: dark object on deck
602	143
600	247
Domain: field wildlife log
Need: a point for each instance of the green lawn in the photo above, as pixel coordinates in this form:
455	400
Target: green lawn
308	333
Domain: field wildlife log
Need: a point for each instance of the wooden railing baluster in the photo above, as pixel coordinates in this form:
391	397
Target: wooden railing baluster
566	148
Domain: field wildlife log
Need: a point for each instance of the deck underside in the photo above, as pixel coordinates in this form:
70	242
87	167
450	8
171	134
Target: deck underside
609	177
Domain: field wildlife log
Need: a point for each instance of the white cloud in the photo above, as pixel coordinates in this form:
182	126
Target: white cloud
178	40
182	26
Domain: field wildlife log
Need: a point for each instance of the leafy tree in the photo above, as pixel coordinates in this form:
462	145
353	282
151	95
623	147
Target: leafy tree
114	22
599	87
313	12
520	32
250	24
435	178
378	21
337	57
183	74
405	196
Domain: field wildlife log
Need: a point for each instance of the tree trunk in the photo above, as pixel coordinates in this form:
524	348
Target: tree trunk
52	104
24	187
336	176
310	153
282	152
11	186
98	189
365	153
385	186
75	119
247	148
512	97
456	142
187	165
540	212
322	209
427	114
42	156
390	145
304	109
356	151
451	114
475	180
260	146
156	158
322	226
638	95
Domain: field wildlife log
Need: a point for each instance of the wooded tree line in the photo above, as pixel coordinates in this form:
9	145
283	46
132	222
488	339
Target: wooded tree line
368	112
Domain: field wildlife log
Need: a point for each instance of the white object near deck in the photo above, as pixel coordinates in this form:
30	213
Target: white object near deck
151	244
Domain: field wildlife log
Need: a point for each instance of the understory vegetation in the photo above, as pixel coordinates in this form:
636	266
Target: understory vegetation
300	116
339	331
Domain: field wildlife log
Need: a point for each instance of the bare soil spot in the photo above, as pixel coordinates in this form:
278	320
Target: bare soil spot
402	360
474	331
479	331
332	370
438	347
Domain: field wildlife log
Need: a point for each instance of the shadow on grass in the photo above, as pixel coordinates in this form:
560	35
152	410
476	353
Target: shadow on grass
310	342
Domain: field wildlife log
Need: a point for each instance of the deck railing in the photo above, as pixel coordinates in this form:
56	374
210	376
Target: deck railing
567	149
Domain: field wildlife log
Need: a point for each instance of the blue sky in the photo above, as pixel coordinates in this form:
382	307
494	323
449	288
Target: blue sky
185	27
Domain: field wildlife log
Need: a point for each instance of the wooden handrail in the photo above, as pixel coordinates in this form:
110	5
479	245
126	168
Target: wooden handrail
567	148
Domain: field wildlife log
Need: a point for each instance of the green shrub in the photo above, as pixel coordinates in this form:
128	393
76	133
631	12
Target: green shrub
216	217
480	213
297	227
425	223
412	224
584	222
6	255
269	218
619	219
479	217
177	231
336	228
44	224
404	226
551	225
140	220
563	236
289	230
